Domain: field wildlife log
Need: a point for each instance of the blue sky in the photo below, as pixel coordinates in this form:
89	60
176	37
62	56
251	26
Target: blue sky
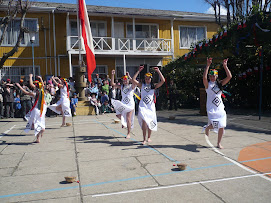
198	6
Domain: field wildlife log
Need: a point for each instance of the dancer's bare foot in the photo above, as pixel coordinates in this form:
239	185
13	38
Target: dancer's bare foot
128	136
220	146
63	125
144	142
149	139
37	141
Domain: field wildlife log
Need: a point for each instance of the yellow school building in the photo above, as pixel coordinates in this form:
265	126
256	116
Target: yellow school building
123	39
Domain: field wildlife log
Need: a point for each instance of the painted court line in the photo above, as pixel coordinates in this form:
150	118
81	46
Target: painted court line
179	185
231	160
7	131
122	180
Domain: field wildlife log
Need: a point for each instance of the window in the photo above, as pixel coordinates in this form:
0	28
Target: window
142	31
190	35
102	70
98	29
131	69
16	73
13	32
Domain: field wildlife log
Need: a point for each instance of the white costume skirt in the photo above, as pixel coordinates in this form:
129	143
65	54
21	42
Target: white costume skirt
122	109
217	119
149	116
35	120
65	104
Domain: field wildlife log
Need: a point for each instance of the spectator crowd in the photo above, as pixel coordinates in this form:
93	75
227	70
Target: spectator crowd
14	103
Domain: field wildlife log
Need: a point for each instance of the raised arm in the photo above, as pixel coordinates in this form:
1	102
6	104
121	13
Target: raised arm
228	72
134	81
130	78
112	80
54	79
31	81
162	79
205	74
23	90
40	78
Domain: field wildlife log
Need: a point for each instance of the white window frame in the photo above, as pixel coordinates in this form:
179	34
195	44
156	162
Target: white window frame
91	21
149	24
97	66
37	71
189	26
28	44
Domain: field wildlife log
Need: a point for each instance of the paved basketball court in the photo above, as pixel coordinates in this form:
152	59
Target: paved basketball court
110	168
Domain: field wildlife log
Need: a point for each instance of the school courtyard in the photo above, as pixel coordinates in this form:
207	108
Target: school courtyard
110	168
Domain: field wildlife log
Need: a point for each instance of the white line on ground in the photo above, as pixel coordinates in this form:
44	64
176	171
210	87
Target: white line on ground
179	185
7	131
231	160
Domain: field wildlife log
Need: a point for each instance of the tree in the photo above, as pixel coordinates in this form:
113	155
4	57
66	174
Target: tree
215	4
13	9
238	9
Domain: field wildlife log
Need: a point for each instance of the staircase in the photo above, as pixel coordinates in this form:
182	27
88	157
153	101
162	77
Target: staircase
83	109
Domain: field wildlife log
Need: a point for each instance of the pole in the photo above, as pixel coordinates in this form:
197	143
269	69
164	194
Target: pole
32	43
79	35
261	84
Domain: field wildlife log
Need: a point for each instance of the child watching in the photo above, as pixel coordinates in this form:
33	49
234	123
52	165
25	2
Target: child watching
74	102
106	108
94	102
18	106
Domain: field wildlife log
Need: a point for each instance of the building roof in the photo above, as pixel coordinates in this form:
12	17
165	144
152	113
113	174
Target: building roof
124	12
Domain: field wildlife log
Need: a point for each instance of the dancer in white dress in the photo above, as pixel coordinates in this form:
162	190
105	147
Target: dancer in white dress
36	120
146	111
63	104
125	109
217	118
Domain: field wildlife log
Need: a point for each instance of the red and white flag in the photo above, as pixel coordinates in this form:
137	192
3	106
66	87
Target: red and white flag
87	37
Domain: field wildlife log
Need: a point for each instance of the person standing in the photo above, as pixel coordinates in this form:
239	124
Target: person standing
8	97
125	109
217	118
36	121
63	104
25	100
1	101
146	111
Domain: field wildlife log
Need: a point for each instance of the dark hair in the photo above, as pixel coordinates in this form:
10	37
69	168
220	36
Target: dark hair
152	84
219	84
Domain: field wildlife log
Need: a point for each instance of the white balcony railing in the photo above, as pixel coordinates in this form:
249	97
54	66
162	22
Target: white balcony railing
106	44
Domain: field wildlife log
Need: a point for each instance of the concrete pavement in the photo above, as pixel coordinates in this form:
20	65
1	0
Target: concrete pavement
110	168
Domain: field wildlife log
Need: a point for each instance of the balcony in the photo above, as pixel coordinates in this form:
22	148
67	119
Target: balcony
119	46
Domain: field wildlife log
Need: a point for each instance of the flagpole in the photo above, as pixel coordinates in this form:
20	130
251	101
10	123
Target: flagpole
79	76
79	34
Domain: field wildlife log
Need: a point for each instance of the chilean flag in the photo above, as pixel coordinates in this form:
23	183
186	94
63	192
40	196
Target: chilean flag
87	37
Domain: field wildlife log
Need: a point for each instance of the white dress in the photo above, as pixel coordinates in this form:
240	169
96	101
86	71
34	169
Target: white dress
215	108
146	109
34	118
64	101
126	105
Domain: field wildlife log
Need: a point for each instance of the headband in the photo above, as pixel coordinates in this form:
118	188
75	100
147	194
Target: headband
38	84
125	77
213	72
148	75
